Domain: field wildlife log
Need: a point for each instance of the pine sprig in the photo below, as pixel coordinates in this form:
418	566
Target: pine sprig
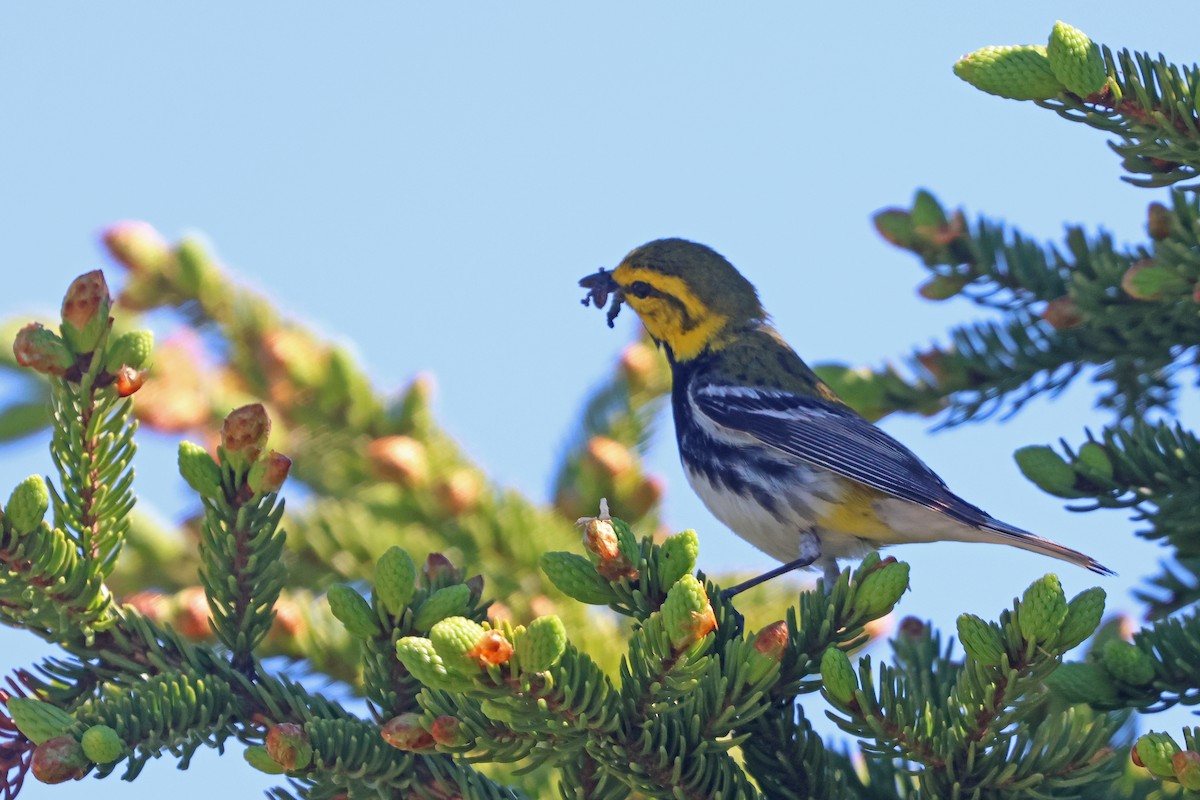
1150	105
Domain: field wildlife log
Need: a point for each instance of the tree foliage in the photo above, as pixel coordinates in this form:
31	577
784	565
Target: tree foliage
174	642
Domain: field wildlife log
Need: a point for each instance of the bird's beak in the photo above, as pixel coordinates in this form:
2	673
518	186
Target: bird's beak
599	286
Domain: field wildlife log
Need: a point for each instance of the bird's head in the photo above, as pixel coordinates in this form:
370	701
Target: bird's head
687	295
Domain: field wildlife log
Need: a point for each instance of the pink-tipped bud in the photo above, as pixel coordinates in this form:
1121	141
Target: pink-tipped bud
772	640
1062	313
405	732
400	459
85	310
438	568
1158	221
150	603
460	491
912	628
448	731
244	434
288	745
58	760
609	456
268	473
136	245
191	614
41	350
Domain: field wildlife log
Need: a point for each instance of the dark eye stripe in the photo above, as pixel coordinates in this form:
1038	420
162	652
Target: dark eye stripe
641	289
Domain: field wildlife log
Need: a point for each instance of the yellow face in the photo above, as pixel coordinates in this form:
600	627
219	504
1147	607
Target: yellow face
671	312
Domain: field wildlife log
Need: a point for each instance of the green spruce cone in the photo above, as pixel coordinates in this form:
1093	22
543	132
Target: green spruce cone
678	557
27	504
576	577
1157	752
1084	613
419	657
1047	469
1043	609
838	675
199	470
258	757
881	589
1083	682
102	744
455	639
449	601
1128	663
39	721
1018	72
981	640
353	611
130	349
542	645
395	580
1076	60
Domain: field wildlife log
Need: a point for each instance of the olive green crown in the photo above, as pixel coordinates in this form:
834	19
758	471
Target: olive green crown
709	276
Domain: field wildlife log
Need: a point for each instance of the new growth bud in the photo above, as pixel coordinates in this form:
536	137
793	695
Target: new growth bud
838	675
1018	72
405	732
268	473
85	311
137	246
41	350
27	504
1043	609
687	613
395	580
353	611
1076	60
102	744
288	745
244	433
199	470
58	760
542	645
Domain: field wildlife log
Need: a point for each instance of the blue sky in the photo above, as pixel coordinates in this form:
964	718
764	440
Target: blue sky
429	181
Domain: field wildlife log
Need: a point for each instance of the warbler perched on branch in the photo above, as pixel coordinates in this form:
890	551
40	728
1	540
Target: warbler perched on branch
765	443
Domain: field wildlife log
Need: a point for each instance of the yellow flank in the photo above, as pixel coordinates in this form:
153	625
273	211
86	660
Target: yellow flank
855	515
687	327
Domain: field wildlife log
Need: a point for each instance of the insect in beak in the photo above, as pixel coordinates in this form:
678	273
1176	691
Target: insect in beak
599	286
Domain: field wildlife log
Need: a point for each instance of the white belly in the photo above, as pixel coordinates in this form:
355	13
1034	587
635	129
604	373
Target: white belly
801	503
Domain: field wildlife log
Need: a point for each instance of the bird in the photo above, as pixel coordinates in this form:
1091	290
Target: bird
767	445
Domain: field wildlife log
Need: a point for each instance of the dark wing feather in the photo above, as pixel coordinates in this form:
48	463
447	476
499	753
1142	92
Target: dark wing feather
834	437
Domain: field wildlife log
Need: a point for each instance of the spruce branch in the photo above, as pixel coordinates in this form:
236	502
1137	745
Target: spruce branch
1149	104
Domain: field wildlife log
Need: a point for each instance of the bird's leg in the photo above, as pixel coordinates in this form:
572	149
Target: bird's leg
832	573
810	550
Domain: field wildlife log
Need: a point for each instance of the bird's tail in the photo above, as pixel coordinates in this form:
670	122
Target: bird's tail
1002	533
